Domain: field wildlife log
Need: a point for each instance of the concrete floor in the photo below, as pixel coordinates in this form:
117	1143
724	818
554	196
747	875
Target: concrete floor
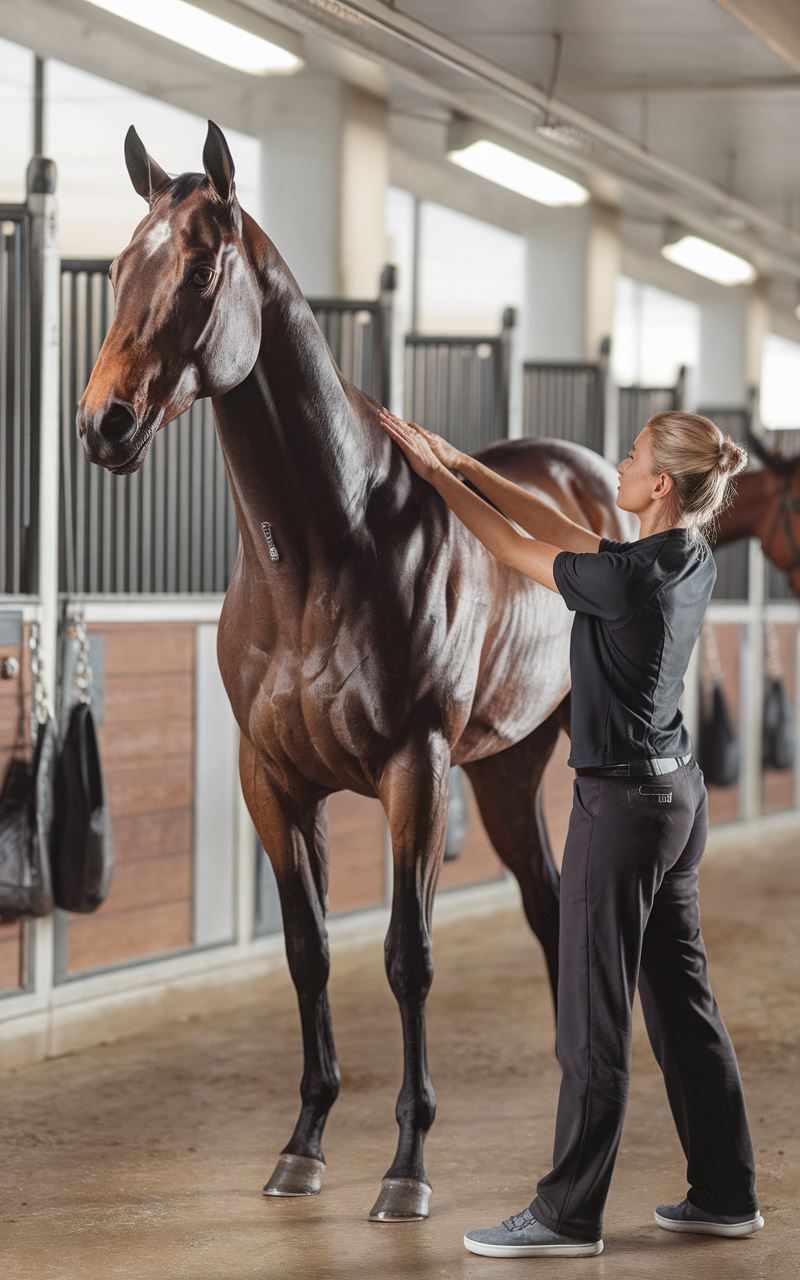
146	1158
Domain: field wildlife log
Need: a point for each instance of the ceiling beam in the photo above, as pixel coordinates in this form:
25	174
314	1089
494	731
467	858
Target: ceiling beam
773	21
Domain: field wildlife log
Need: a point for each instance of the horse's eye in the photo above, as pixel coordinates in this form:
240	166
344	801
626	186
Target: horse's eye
202	276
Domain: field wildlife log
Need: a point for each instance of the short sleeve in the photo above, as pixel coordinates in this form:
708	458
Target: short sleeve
605	583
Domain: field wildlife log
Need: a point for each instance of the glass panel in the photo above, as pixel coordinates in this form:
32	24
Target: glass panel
16	104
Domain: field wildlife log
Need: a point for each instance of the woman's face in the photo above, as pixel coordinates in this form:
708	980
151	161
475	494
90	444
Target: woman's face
638	486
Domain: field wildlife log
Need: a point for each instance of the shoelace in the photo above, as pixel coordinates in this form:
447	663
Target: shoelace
518	1220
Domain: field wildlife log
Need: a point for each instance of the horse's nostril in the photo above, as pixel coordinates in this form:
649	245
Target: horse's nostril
119	423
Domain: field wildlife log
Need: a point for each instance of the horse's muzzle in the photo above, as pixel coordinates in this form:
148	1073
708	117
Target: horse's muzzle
112	436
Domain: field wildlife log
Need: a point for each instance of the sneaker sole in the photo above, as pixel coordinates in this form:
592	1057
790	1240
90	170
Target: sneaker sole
575	1250
713	1228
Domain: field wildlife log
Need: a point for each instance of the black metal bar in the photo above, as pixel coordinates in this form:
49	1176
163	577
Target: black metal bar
173	530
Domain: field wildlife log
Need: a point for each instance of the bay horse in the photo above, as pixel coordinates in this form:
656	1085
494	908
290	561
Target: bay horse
767	507
367	641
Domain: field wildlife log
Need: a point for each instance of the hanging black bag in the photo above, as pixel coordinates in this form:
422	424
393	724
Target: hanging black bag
718	747
777	726
26	812
83	859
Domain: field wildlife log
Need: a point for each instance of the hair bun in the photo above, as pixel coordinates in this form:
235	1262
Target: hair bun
732	456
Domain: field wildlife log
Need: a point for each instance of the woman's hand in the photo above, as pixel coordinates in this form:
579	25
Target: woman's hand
419	453
447	453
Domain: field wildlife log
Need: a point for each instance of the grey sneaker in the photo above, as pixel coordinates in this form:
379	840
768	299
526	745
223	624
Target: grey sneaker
523	1236
686	1216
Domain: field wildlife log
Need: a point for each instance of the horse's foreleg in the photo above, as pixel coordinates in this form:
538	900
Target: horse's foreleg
413	791
296	841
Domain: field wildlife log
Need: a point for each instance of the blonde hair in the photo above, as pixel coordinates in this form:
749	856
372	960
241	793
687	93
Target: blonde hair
702	462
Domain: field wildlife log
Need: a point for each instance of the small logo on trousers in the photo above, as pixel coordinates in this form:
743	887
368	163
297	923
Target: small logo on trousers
663	797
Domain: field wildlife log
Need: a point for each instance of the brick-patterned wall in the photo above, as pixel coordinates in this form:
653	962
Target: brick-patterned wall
147	749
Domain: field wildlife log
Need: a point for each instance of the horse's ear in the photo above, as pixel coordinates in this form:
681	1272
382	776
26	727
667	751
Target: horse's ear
771	458
146	175
218	163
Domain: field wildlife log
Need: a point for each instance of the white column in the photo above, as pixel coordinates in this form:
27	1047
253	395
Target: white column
324	174
573	260
733	324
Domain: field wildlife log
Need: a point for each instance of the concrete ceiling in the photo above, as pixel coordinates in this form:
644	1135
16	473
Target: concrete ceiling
690	108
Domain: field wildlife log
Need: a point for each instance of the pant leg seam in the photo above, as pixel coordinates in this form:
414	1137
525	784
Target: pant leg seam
563	1212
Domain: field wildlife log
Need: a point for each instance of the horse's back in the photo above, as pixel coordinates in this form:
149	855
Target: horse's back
579	482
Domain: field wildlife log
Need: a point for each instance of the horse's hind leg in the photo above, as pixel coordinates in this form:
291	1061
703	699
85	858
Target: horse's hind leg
508	789
297	843
413	791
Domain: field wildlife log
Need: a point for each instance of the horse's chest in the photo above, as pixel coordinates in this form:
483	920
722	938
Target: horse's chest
319	709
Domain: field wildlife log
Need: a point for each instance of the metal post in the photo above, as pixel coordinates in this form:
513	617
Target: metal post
610	435
386	354
505	370
45	312
38	106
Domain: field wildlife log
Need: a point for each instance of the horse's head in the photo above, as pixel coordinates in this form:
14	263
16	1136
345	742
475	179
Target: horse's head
188	308
779	521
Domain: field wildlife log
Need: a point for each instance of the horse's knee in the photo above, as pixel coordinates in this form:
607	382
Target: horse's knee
417	1110
320	1085
308	957
409	964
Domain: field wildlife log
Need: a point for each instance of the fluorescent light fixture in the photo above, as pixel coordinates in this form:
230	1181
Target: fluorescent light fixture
214	37
517	173
709	260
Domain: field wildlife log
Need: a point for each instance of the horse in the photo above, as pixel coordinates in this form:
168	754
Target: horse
767	506
367	640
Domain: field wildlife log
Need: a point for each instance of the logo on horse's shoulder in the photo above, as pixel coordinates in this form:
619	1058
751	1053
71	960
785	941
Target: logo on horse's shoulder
266	529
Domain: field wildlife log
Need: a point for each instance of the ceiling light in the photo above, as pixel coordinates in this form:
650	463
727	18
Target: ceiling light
205	32
709	260
517	173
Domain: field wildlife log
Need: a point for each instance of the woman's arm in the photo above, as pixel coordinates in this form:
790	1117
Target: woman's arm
531	513
529	555
526	509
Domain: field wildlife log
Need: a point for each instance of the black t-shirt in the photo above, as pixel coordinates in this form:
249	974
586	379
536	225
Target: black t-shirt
638	609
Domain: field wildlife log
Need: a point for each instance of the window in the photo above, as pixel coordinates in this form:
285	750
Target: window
16	105
654	334
780	382
98	207
469	271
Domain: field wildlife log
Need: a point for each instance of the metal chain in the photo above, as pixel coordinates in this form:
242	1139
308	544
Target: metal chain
76	629
41	709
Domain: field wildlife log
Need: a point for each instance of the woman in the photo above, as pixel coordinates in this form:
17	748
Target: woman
629	903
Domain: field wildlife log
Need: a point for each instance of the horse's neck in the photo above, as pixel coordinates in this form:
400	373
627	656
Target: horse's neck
744	518
300	454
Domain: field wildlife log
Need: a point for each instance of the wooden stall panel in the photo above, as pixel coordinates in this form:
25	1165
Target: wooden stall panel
14	696
147	749
777	785
724	803
356	825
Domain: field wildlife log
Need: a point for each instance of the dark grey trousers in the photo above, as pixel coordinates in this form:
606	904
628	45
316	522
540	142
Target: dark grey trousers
630	912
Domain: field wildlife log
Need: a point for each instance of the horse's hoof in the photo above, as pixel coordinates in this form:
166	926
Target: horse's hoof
401	1200
295	1176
